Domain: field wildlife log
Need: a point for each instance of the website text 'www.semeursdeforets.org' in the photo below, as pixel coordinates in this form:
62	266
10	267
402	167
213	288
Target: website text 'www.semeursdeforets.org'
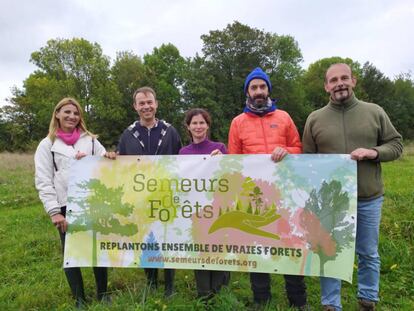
206	260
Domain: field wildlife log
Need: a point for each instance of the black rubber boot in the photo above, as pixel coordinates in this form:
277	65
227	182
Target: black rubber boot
152	277
296	291
74	277
260	283
209	282
169	282
101	280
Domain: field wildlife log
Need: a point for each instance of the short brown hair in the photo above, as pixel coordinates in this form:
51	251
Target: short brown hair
145	90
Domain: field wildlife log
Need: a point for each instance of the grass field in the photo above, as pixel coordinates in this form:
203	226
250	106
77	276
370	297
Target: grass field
32	278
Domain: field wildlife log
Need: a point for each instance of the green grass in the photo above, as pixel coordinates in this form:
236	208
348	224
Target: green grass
32	278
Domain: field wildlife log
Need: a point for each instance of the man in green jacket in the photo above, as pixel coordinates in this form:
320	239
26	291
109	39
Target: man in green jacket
349	126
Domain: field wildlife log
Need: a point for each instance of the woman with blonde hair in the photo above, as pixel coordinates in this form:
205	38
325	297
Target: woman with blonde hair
68	138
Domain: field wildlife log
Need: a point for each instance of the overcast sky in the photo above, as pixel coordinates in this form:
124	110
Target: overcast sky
378	31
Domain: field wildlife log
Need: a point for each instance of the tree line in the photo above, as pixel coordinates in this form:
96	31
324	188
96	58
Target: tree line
212	80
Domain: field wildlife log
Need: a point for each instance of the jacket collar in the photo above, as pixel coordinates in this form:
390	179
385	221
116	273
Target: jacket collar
59	146
346	105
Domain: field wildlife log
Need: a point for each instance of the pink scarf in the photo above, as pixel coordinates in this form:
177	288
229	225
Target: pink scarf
69	138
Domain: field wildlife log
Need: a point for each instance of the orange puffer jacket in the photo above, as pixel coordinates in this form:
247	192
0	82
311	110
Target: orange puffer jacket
251	134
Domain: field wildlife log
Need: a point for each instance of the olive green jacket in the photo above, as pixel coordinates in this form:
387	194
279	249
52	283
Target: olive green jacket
343	127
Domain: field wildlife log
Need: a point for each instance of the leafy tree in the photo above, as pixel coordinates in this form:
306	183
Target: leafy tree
128	73
327	228
256	196
248	187
396	97
99	212
228	57
377	87
29	110
77	62
198	83
213	80
402	110
73	68
5	137
164	72
17	125
286	80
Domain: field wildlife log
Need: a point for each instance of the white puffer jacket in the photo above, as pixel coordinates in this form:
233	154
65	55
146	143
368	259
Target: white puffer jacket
51	184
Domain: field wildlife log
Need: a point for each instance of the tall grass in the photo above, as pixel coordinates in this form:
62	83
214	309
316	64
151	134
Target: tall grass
408	148
32	278
16	180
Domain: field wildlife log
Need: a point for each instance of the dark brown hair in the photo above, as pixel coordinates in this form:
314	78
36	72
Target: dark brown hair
195	112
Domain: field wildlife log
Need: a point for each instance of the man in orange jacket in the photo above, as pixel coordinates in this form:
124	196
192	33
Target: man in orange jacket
264	129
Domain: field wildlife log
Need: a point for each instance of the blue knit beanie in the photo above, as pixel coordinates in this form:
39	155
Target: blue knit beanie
257	73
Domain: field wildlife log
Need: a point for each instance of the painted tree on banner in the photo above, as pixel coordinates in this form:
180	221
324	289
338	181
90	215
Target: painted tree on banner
100	211
327	229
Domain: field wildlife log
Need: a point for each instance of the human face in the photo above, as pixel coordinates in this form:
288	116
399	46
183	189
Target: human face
146	106
339	82
258	91
68	117
198	128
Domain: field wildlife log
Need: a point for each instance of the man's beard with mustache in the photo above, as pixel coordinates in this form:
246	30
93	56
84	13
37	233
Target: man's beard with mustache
259	104
342	97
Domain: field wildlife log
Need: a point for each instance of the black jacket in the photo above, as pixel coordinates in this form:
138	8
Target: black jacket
162	139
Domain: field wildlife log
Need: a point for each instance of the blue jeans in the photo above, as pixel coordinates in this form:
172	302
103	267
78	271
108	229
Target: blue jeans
366	247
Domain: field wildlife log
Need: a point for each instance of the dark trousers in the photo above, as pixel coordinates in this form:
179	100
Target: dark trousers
210	282
152	279
74	275
294	284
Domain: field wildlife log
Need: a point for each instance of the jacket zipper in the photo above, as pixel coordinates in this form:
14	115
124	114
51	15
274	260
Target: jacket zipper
264	136
149	141
344	129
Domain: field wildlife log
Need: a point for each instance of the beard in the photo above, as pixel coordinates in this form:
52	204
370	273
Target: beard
259	101
341	95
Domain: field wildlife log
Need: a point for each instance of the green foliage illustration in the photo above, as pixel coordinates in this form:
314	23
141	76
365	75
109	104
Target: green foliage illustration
327	229
256	197
99	211
243	217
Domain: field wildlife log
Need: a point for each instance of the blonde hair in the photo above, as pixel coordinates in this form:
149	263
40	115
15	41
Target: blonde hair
54	122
